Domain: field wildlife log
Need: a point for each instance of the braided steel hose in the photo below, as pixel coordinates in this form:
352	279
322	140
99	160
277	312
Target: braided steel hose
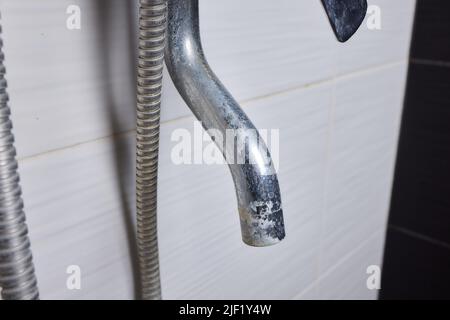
17	278
152	28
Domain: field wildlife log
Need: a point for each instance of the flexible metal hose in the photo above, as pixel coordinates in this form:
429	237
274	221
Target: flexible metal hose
17	278
152	28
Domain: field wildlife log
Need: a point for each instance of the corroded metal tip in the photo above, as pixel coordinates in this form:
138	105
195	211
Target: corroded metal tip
261	218
345	16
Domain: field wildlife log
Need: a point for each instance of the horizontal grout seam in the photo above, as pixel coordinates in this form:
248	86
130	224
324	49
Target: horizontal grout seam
328	80
419	236
346	257
434	63
325	81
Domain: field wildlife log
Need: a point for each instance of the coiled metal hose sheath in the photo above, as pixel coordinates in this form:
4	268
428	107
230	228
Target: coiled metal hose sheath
152	28
17	278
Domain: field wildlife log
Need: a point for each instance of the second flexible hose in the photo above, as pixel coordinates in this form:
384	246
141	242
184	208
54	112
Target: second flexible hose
152	28
17	277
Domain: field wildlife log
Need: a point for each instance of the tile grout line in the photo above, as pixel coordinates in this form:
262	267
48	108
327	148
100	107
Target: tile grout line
427	62
242	102
371	69
75	145
330	121
419	236
340	262
351	253
334	77
327	172
328	157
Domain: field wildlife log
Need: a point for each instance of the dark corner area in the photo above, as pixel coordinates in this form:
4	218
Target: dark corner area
417	249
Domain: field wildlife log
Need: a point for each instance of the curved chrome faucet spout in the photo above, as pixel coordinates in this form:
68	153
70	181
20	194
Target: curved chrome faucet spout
256	182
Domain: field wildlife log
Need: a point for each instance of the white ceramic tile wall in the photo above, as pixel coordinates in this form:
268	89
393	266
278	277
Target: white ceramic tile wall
337	107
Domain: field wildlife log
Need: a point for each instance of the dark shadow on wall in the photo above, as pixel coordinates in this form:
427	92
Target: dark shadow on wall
110	12
417	249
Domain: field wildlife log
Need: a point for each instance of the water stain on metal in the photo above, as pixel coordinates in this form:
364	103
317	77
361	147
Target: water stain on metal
263	218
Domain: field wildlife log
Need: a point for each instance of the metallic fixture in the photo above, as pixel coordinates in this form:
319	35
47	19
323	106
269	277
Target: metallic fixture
17	278
345	16
255	179
256	183
152	28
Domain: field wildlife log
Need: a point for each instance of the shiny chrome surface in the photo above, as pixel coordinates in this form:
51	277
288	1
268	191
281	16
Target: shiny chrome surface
256	183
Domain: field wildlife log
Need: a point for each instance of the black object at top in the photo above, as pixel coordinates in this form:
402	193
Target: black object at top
345	16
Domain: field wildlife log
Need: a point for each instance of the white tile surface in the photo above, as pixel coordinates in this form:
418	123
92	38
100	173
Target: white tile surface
70	91
280	44
91	72
372	47
363	147
348	279
68	87
76	210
